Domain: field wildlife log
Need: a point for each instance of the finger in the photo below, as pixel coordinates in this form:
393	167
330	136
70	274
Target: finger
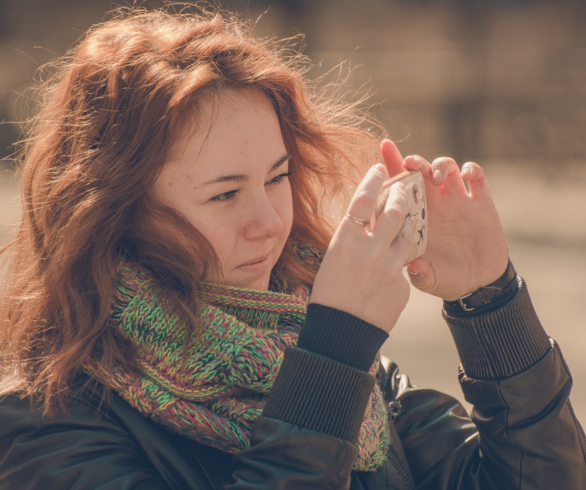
364	199
392	157
402	245
392	218
474	175
415	162
445	171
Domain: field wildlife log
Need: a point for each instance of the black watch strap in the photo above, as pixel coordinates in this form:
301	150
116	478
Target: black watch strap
485	295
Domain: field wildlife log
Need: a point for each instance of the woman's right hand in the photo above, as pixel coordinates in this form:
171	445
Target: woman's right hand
361	272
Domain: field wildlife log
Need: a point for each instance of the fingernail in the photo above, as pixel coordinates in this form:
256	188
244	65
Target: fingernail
466	170
437	174
411	272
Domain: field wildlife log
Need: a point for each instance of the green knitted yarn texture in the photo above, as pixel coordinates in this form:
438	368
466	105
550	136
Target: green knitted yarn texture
229	372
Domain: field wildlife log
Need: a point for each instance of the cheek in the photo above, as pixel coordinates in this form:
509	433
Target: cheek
283	206
220	231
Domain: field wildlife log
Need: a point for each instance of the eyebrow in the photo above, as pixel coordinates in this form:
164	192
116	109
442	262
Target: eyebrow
244	178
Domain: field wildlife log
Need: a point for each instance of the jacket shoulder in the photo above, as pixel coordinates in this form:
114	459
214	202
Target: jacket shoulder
93	445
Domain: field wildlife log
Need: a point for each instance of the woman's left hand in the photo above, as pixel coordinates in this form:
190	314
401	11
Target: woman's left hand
466	245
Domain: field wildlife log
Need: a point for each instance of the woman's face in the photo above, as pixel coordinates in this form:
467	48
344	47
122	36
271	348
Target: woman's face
229	178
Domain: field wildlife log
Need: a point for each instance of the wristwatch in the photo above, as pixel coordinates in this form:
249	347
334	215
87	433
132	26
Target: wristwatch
482	296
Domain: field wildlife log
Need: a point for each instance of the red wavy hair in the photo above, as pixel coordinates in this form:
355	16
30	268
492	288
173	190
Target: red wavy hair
109	113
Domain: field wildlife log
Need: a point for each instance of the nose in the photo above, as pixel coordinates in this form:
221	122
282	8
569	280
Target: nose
262	219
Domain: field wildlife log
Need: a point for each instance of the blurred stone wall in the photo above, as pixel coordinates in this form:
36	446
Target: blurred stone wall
489	81
476	80
501	82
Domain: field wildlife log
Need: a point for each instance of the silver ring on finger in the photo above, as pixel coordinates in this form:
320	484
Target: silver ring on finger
359	221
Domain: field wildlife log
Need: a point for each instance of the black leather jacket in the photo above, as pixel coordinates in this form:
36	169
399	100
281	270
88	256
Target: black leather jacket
522	435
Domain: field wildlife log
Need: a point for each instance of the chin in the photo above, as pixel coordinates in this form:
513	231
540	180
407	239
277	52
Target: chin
261	283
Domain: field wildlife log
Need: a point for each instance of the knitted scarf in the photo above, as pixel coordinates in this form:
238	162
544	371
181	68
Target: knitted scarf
228	372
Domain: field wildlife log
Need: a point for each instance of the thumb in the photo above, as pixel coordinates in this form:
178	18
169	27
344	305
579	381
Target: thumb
421	274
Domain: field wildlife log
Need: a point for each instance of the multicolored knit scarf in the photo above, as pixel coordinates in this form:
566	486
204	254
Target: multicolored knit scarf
229	372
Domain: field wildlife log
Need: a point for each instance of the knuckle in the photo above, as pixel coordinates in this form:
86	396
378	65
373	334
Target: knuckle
398	191
380	173
396	212
402	203
362	198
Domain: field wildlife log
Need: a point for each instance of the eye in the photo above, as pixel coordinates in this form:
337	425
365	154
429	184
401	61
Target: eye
226	196
279	178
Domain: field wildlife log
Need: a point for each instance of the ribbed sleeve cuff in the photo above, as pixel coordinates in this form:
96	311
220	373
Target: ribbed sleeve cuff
341	336
317	393
502	342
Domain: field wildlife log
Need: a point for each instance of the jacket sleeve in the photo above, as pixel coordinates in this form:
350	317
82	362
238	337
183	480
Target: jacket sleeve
69	453
307	435
522	434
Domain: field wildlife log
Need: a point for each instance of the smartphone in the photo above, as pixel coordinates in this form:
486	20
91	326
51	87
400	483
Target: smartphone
415	187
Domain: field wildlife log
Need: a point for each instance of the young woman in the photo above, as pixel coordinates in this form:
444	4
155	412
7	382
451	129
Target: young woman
178	314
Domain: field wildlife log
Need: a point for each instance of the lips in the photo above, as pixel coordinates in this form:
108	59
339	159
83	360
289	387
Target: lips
257	260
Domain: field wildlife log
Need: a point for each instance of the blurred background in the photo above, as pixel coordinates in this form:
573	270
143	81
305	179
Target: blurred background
502	83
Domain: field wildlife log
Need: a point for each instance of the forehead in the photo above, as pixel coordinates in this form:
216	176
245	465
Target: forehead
233	132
